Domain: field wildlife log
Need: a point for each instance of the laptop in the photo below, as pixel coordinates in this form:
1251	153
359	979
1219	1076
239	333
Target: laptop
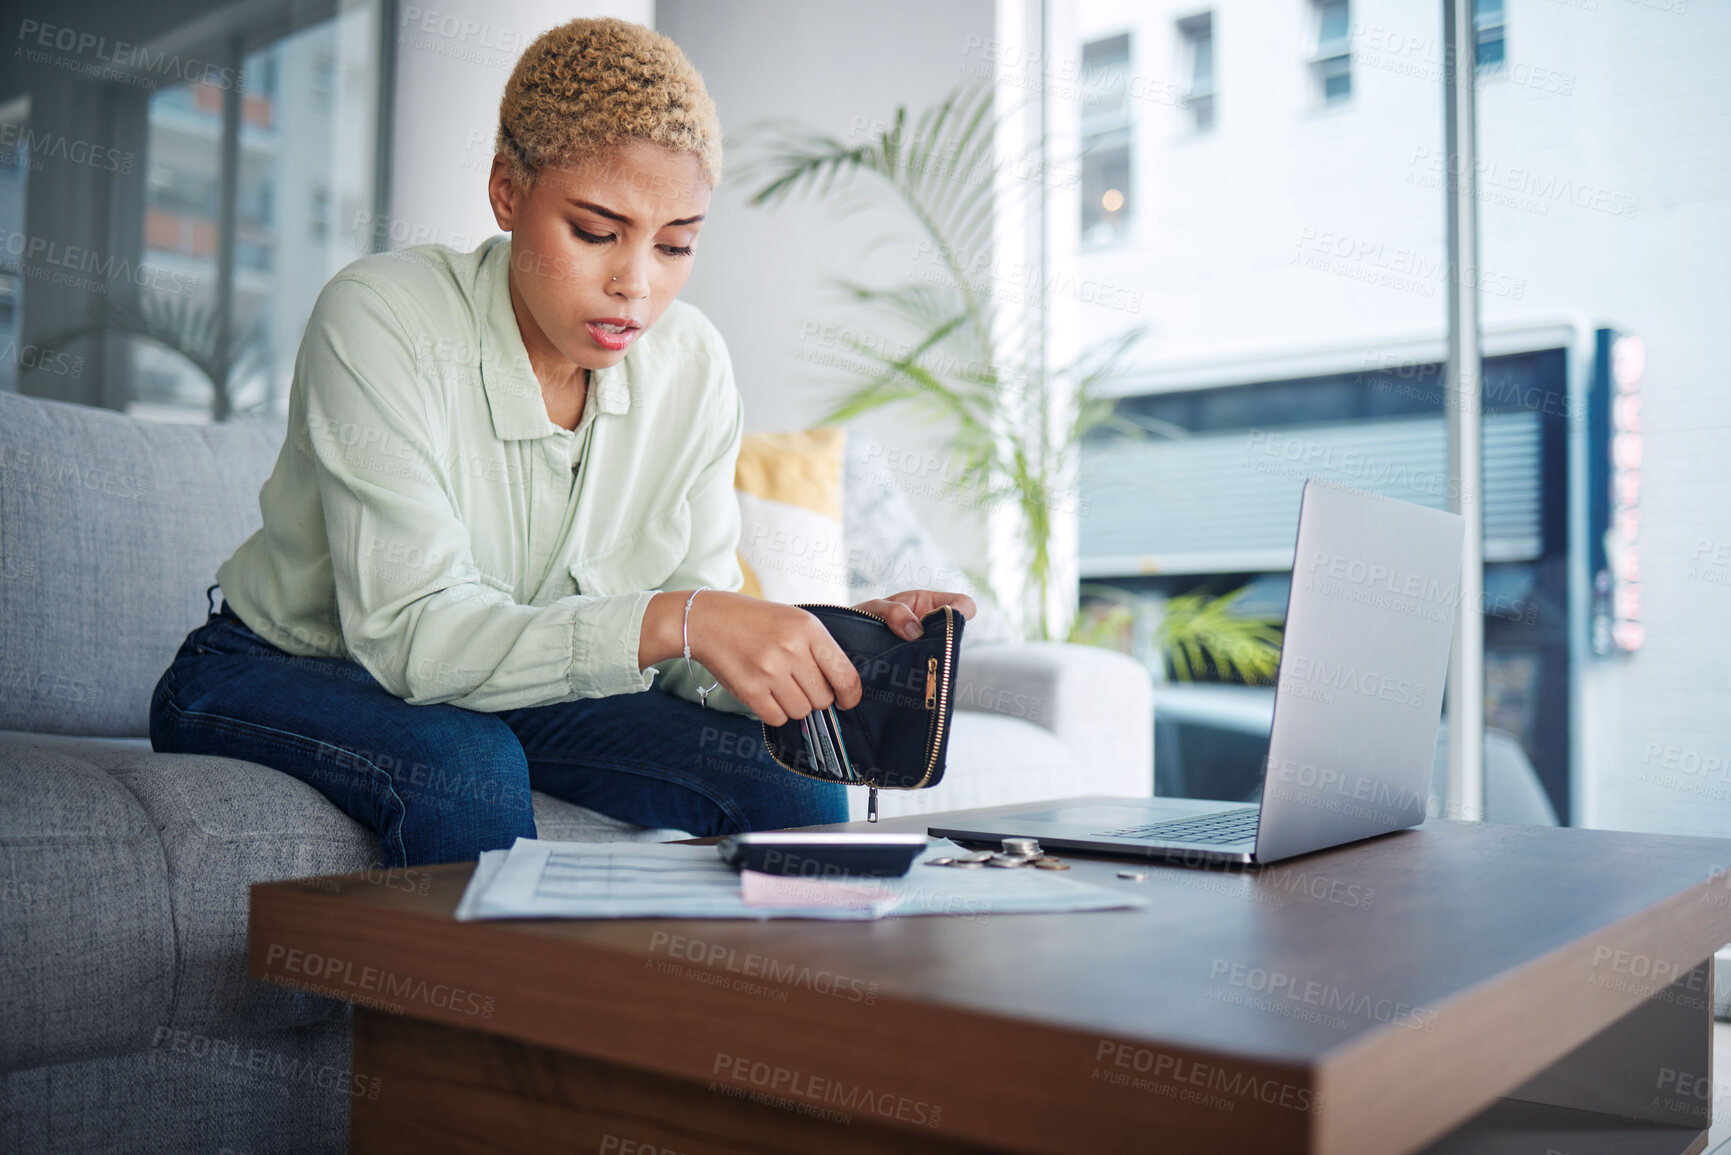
1358	697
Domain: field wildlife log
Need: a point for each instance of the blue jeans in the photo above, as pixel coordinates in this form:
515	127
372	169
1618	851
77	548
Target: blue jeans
440	783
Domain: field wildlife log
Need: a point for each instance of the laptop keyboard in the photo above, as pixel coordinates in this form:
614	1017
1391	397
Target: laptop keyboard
1226	826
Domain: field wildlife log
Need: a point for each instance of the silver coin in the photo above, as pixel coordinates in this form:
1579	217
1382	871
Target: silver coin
1008	861
941	860
980	856
966	864
1023	847
1050	864
1045	858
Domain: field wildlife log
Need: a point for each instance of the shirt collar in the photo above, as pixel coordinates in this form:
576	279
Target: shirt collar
513	392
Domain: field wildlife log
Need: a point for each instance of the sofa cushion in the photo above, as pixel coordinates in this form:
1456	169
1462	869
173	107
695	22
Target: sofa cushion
888	550
212	827
276	1093
110	531
84	913
788	486
557	820
994	760
224	825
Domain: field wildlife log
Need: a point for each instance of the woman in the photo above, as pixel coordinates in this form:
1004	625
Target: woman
505	506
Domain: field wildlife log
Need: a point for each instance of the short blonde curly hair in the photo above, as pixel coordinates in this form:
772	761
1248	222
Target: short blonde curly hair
588	86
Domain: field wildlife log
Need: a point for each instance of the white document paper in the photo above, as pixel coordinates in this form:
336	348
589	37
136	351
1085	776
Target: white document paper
537	879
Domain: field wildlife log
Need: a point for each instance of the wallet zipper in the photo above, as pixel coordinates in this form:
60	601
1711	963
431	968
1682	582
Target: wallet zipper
943	695
938	722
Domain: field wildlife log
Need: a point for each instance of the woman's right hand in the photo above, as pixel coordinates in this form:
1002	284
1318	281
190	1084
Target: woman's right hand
777	659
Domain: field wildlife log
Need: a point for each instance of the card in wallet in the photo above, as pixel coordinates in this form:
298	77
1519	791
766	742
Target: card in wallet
896	737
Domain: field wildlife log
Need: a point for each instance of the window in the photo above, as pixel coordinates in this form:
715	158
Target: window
1488	32
291	148
1257	379
1197	33
1106	140
1332	62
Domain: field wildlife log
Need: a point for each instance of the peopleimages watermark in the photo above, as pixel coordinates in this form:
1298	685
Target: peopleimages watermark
1353	795
1422	381
459	38
944	478
340	978
1519	187
836	344
1421	56
32	471
44	684
45	259
1685	1093
619	1145
1064	77
1204	1084
38	146
378	874
1719	894
95	56
1309	1000
1705	775
1711	562
1019	282
1268	452
34	358
1403	269
20	892
752	965
369	230
1321	681
262	1061
1649	978
1381	585
1266	886
956	162
814	1095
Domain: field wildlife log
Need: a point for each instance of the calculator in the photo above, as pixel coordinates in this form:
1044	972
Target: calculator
822	855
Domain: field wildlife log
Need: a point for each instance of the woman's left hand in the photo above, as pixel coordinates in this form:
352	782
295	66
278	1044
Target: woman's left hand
903	611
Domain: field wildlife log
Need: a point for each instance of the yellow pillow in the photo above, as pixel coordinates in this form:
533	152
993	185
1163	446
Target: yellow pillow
790	527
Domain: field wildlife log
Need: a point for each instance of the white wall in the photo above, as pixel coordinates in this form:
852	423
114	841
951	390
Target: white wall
1253	241
453	58
763	275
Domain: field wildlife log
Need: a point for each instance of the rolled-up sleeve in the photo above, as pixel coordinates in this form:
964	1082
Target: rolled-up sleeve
415	609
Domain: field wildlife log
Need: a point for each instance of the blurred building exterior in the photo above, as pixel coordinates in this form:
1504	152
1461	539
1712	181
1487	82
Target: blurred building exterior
1263	187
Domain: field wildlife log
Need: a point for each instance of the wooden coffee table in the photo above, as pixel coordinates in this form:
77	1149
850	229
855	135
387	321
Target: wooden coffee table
1459	988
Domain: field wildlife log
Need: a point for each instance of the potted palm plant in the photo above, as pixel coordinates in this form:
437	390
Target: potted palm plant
1012	426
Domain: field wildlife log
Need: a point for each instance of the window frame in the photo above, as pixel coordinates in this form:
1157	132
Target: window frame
1193	31
1483	24
1330	59
1102	141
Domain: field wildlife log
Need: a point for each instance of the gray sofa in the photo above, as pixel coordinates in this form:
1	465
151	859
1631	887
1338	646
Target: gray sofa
127	1022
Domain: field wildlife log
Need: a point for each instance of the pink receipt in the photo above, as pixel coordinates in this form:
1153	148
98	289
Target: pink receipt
759	889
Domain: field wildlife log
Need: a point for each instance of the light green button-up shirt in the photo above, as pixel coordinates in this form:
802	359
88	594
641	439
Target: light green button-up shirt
428	520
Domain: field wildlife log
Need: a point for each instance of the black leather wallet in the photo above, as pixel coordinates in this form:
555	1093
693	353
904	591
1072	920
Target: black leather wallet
896	737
